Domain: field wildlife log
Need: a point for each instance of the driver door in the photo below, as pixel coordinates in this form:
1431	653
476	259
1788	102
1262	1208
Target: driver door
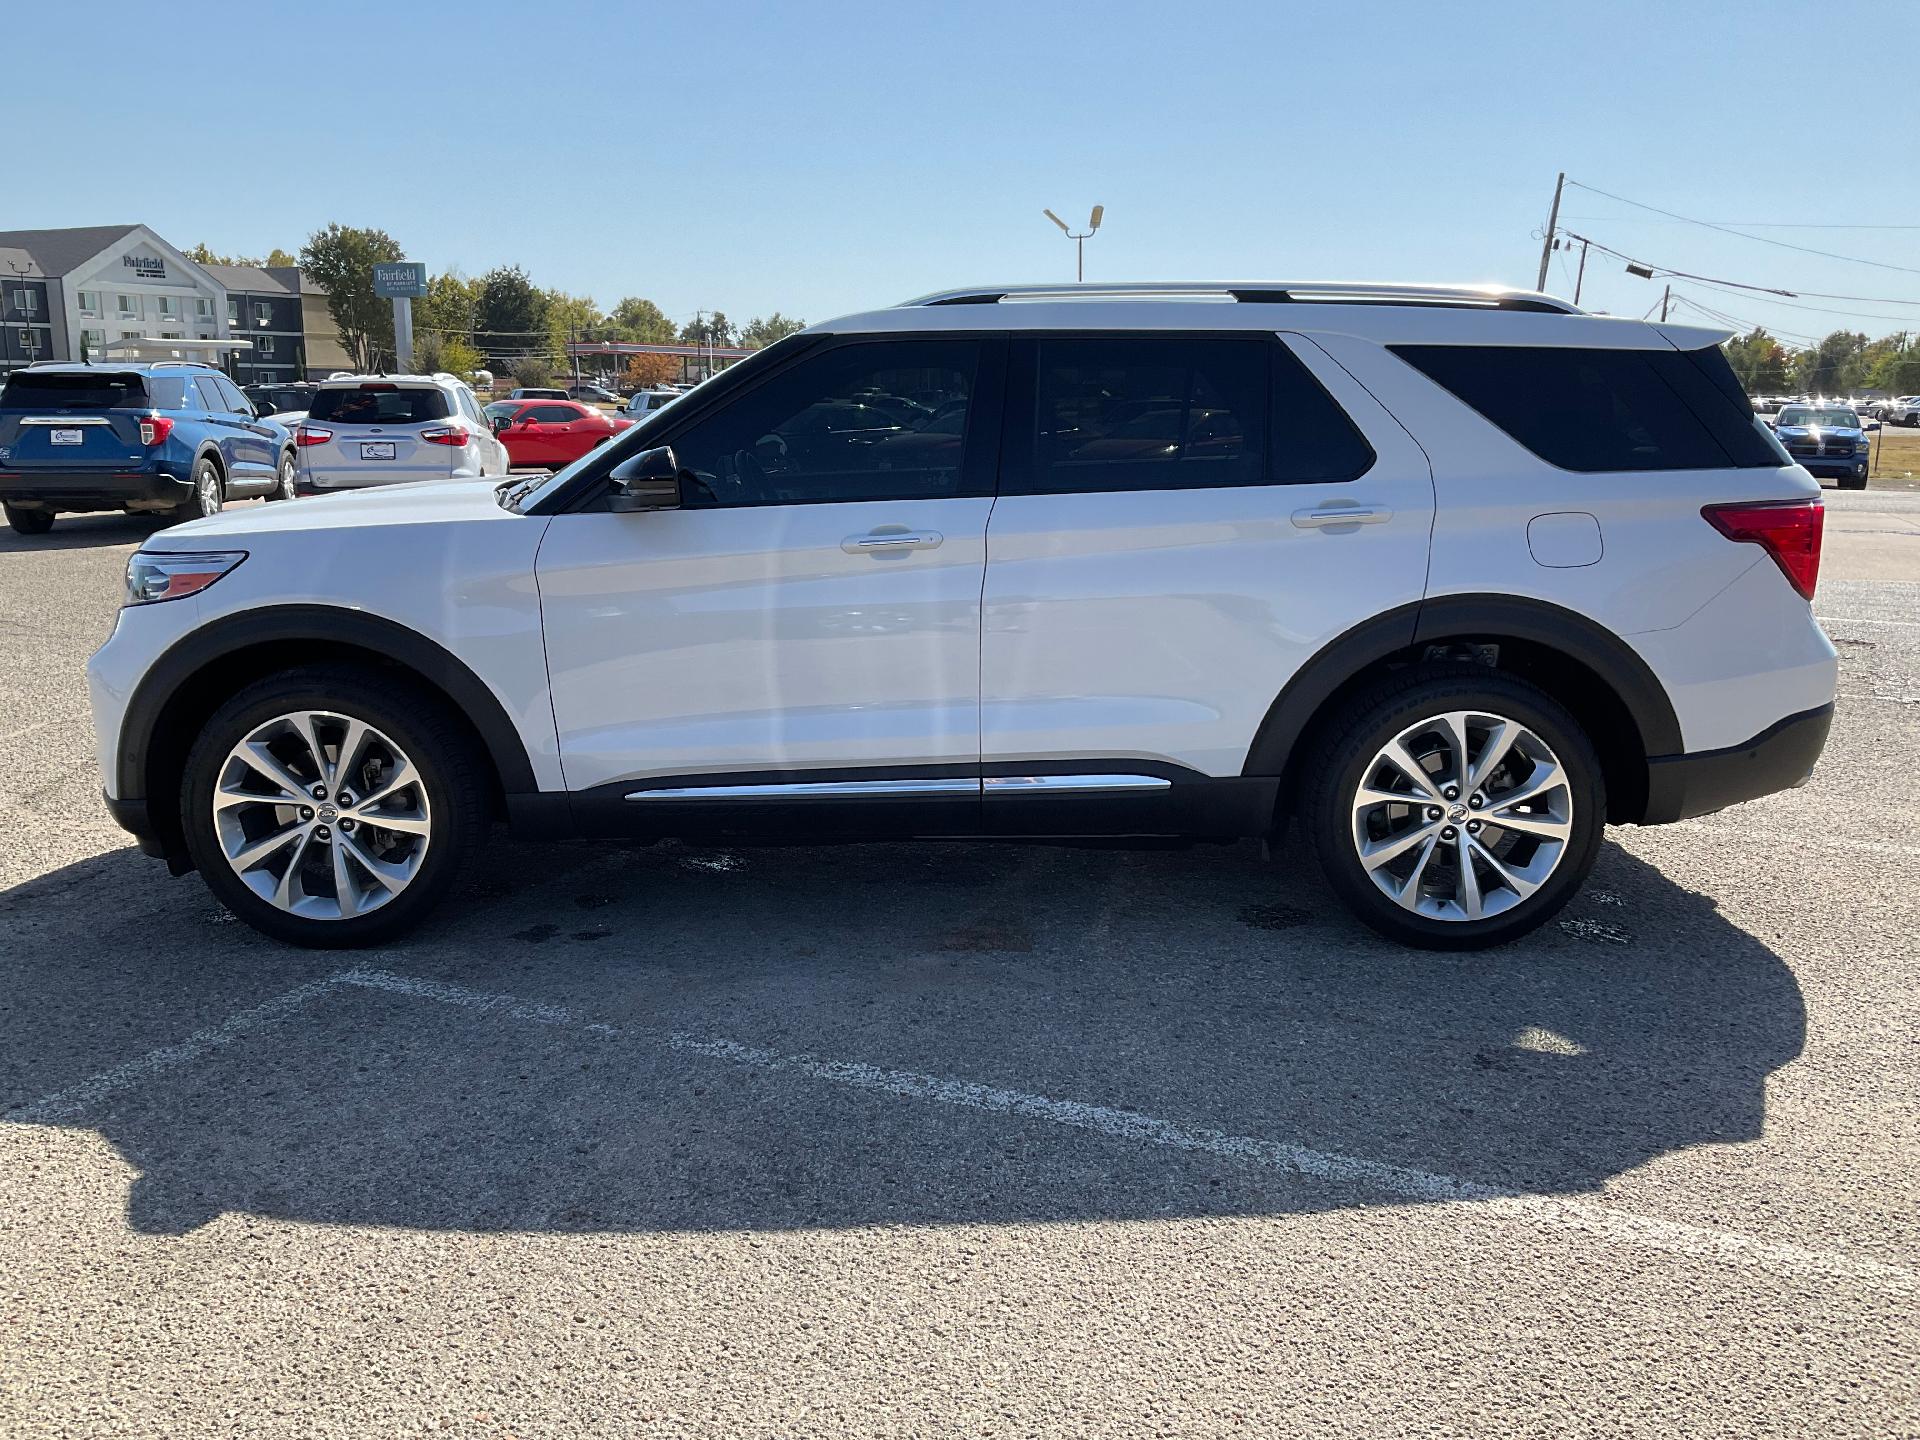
809	616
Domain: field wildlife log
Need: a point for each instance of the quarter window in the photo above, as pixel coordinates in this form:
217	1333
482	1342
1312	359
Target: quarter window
883	420
1606	410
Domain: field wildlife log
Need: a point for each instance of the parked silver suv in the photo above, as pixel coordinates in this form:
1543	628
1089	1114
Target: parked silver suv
365	430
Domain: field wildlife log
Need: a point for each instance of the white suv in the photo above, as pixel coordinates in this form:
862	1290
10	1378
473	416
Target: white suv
362	430
1449	576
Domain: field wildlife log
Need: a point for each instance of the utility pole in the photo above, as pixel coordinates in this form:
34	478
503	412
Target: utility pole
1553	224
1580	276
1666	299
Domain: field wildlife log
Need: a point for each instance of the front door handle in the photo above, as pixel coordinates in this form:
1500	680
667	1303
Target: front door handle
1324	516
888	542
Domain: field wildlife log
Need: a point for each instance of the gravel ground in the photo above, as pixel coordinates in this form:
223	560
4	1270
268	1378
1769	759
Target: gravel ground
967	1141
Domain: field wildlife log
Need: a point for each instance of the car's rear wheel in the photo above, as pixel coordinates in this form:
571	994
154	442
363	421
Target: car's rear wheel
285	480
29	522
1455	807
332	807
208	493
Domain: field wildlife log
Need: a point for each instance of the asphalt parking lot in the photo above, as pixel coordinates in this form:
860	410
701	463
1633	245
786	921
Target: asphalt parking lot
965	1140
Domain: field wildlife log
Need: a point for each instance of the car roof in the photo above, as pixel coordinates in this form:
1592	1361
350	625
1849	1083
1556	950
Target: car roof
1387	313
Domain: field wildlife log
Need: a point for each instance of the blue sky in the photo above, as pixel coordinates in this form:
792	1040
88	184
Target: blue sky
820	158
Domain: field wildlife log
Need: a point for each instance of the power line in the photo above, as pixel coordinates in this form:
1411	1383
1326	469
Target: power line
1655	270
1744	224
1761	239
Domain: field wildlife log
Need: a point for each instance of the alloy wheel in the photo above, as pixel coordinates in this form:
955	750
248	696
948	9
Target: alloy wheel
322	815
1462	816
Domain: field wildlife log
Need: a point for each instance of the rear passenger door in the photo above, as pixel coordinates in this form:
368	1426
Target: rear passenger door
1183	520
249	447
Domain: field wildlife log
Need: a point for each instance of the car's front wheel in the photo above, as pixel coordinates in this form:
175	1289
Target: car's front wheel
1455	807
330	806
29	522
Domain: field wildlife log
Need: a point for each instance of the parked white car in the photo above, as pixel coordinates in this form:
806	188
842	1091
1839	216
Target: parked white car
1902	410
645	402
362	430
1449	576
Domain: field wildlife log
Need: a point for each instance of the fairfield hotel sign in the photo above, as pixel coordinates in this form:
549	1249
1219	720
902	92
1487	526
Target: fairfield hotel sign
145	267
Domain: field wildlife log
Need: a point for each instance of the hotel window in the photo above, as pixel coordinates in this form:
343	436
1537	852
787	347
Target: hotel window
262	315
89	302
203	307
129	304
29	341
266	345
27	302
131	335
233	311
94	339
172	335
169	307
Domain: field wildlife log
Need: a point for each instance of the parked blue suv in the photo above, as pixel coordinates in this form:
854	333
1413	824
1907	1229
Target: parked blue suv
174	439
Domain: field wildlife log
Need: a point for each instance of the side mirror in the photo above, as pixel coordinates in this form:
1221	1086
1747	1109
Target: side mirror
500	422
647	481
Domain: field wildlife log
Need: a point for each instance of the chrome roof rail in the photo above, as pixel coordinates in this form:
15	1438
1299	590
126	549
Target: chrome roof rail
1269	292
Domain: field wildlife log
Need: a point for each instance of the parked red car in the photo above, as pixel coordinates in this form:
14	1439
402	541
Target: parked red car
550	432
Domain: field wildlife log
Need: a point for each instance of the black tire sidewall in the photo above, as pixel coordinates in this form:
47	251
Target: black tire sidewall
416	722
283	479
1354	738
29	522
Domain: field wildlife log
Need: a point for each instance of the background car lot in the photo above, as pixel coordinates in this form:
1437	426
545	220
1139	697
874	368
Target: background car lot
963	1140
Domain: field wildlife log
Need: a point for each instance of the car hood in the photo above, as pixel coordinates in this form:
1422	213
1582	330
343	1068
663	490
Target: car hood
427	502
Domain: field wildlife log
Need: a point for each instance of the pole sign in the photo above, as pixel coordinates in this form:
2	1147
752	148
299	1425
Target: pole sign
401	280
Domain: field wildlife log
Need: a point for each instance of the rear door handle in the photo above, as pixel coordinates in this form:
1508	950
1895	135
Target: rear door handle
1321	518
887	542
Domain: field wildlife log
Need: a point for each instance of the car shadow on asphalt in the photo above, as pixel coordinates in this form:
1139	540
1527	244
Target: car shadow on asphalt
662	1038
84	532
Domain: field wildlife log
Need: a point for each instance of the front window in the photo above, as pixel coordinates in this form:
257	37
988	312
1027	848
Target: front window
1802	416
851	424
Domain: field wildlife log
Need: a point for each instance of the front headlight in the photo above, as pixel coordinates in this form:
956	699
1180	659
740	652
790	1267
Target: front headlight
165	575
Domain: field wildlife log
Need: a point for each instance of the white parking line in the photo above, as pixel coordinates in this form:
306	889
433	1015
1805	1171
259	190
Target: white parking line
1599	1222
1863	620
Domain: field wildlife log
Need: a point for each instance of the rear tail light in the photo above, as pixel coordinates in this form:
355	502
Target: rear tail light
154	429
444	435
311	435
1788	530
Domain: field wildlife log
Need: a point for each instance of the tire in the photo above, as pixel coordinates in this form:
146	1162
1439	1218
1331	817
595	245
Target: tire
288	477
1435	909
29	522
209	494
292	892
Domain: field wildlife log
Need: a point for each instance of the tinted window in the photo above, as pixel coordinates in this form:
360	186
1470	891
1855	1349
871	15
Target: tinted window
1593	410
821	430
372	405
549	414
1149	414
28	390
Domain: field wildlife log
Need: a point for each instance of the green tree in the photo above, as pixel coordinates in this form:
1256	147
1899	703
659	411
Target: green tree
758	333
203	254
279	259
340	259
570	317
711	328
530	370
511	315
641	322
1832	367
1759	361
450	308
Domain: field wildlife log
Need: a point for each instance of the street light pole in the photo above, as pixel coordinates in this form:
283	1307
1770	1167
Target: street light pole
1080	239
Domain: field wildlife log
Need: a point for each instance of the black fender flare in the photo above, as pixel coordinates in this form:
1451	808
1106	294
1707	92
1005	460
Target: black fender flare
1537	621
329	624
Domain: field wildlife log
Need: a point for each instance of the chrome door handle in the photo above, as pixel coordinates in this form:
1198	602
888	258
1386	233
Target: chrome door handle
1321	518
886	542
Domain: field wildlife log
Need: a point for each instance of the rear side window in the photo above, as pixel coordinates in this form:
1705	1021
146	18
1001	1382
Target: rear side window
373	405
27	390
1180	413
1597	410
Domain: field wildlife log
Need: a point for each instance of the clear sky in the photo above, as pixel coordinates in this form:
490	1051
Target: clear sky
820	158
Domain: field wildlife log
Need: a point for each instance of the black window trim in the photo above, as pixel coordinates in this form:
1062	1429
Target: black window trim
1018	449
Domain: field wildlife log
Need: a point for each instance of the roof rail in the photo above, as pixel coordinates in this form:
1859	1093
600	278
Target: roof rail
1314	292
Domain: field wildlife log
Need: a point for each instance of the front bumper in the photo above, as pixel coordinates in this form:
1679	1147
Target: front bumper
1780	757
1833	467
92	490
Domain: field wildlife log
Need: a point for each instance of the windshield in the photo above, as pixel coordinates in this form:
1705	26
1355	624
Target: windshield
1830	419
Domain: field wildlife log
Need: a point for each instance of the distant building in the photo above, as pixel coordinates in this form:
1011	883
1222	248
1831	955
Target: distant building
64	294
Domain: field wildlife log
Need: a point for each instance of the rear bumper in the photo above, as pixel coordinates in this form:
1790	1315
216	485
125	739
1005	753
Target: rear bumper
92	490
1780	757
